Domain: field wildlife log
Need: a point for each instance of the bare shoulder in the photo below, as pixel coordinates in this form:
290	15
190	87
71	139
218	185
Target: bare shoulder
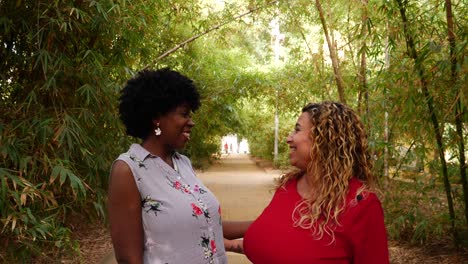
120	171
122	180
120	167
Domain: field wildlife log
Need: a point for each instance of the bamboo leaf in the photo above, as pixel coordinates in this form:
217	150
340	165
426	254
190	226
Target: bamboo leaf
43	58
6	222
86	55
76	183
23	197
56	171
63	175
30	215
87	92
13	223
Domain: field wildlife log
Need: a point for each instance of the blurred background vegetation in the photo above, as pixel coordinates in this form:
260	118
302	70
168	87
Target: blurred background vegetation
400	64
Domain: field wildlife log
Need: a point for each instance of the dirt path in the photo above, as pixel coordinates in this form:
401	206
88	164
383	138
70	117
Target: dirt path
242	188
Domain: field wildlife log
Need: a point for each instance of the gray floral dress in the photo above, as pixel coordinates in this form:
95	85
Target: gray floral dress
181	217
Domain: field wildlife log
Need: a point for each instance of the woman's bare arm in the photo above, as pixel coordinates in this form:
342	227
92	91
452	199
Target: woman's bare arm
235	229
124	209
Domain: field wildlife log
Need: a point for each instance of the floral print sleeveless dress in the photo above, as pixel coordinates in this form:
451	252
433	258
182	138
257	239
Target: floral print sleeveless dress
181	217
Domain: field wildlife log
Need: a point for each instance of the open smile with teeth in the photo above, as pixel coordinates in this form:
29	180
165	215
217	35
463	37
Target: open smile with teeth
186	134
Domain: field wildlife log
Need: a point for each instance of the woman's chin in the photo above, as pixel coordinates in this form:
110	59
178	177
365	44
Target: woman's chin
182	145
178	146
298	166
292	162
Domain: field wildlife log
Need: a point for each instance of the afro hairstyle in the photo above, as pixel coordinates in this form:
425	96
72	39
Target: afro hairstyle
151	94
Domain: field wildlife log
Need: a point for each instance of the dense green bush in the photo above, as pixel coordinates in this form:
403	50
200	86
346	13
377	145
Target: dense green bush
414	212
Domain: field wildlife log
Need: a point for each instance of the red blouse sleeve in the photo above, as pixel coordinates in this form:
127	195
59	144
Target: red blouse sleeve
367	233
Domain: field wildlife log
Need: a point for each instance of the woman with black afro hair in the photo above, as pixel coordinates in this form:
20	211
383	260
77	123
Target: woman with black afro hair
159	211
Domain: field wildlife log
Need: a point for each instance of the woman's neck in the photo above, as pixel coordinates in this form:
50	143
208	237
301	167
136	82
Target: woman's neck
306	187
156	148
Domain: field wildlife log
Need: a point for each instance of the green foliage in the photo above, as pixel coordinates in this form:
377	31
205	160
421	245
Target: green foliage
414	212
63	63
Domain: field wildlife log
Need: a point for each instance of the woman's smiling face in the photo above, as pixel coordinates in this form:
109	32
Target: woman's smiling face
300	143
176	127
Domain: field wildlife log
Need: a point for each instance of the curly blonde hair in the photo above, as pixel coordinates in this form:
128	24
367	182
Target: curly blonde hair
338	153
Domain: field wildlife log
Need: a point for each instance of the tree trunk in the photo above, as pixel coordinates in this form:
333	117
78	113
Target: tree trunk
411	47
458	106
333	54
386	134
363	65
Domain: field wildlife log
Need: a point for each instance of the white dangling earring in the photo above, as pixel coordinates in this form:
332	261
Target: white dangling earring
157	130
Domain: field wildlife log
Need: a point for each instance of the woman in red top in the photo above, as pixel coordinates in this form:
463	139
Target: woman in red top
326	211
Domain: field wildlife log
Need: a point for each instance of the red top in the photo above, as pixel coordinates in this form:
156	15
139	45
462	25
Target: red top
361	238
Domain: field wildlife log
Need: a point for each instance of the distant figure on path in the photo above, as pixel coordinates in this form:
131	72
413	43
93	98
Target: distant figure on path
159	211
326	211
226	148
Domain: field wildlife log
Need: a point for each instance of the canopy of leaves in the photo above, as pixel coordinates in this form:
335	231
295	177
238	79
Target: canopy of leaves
63	62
